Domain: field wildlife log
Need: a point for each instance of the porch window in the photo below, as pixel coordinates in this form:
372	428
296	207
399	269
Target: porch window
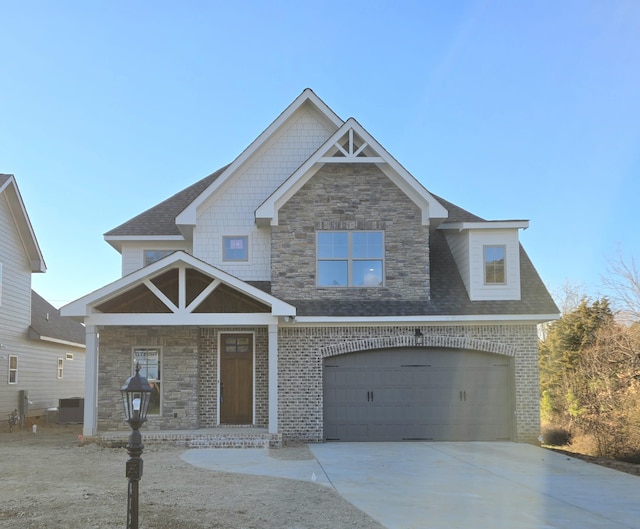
494	265
149	359
350	258
13	369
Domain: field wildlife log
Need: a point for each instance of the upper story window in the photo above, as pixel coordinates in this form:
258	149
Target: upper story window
350	258
151	256
235	248
494	265
13	369
60	367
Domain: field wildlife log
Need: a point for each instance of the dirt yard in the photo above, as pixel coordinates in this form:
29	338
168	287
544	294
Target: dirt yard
49	480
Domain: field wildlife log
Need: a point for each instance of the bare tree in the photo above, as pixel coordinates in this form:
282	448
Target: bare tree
623	283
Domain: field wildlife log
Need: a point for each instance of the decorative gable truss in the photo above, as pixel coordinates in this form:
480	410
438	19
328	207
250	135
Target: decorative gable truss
351	143
179	290
351	148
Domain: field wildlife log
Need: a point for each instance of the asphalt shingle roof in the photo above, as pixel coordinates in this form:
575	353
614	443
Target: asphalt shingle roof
47	322
161	219
448	293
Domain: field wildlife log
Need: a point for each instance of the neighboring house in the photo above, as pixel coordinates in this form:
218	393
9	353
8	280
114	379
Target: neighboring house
315	289
42	354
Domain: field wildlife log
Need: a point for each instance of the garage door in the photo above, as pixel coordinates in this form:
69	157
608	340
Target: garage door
417	394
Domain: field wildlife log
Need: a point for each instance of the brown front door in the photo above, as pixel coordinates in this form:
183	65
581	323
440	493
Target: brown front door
236	379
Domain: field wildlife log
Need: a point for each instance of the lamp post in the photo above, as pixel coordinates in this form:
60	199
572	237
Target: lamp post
135	397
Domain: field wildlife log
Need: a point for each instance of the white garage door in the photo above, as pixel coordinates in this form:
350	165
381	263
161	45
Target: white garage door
417	394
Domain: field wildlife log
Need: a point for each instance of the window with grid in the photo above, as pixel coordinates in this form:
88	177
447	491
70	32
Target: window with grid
494	265
350	258
149	359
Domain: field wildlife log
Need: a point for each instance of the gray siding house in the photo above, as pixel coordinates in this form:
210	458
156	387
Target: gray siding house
314	290
41	354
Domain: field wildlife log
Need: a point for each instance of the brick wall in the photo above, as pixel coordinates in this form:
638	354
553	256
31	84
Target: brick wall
189	370
302	351
350	197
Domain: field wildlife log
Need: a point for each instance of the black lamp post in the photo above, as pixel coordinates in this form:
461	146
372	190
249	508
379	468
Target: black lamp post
135	397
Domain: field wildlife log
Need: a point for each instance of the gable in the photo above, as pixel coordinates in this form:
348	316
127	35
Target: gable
306	102
352	144
20	219
178	290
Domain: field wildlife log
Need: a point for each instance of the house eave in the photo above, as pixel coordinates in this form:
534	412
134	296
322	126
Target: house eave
486	225
117	240
453	318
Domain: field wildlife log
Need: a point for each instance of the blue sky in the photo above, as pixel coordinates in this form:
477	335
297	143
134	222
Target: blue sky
512	110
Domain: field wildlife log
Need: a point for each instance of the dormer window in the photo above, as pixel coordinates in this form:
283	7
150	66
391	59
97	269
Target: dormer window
494	265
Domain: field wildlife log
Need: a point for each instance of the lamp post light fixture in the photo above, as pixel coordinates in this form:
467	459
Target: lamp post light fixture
419	337
136	393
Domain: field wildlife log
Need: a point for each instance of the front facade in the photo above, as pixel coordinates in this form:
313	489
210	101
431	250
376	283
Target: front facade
41	354
316	289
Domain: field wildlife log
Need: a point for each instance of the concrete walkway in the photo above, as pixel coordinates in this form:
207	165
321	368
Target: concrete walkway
455	485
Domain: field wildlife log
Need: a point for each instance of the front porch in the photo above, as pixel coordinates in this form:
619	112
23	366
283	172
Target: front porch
217	437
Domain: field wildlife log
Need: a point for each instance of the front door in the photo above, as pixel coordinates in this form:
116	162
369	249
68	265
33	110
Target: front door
236	379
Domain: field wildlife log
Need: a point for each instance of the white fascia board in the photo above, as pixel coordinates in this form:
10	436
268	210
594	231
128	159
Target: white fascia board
62	342
430	207
465	318
23	225
189	215
82	306
198	319
485	225
117	240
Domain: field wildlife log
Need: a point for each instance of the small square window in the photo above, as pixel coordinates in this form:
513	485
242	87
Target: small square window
235	248
13	369
151	256
494	265
69	356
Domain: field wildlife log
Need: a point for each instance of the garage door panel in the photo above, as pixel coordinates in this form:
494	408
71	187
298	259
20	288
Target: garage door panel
417	394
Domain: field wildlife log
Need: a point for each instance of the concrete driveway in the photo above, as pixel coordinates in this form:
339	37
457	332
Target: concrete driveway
455	485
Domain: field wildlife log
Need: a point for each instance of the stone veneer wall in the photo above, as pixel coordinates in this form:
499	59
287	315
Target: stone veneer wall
350	197
302	351
178	375
188	375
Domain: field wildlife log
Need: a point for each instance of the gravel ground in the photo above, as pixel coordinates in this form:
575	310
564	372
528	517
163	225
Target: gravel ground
49	480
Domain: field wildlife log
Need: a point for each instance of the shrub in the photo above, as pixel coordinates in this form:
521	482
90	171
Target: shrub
556	436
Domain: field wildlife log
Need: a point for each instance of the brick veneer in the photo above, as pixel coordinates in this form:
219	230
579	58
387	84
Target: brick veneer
302	351
189	370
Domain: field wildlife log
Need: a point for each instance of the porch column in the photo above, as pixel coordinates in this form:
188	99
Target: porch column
273	379
90	427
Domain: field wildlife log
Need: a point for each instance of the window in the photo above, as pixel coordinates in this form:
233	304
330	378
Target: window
13	369
494	265
151	256
350	258
235	248
60	367
69	356
149	360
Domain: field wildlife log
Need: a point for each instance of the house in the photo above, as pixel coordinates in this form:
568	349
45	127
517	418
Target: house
42	354
315	289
